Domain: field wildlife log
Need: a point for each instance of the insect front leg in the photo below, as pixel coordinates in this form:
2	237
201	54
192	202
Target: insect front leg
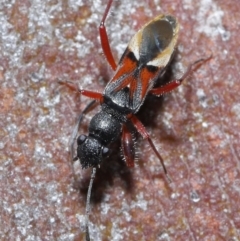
175	83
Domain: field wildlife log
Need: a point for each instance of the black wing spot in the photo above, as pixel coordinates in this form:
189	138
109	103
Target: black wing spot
155	38
129	54
151	68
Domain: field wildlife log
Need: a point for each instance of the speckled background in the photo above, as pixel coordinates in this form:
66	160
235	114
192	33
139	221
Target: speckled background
196	127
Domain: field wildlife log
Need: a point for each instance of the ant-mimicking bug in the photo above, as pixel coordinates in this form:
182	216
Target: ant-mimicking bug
145	59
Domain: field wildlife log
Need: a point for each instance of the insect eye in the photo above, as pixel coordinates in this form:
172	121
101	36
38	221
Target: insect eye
81	139
105	151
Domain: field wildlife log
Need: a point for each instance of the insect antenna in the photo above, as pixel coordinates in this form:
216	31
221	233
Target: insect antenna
88	203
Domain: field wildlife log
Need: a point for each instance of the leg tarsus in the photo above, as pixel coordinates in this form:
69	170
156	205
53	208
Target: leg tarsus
88	93
70	85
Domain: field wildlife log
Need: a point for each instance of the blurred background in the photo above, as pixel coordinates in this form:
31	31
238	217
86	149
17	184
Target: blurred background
196	127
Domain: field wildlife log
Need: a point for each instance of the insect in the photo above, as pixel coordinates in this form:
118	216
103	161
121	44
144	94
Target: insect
145	59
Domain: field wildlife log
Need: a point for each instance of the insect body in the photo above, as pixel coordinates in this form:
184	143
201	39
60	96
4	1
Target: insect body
143	62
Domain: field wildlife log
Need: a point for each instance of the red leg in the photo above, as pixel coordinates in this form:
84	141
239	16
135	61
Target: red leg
91	94
104	39
141	129
128	147
175	83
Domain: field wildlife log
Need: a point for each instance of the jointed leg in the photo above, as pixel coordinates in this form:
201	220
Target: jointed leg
88	93
141	129
104	38
175	83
